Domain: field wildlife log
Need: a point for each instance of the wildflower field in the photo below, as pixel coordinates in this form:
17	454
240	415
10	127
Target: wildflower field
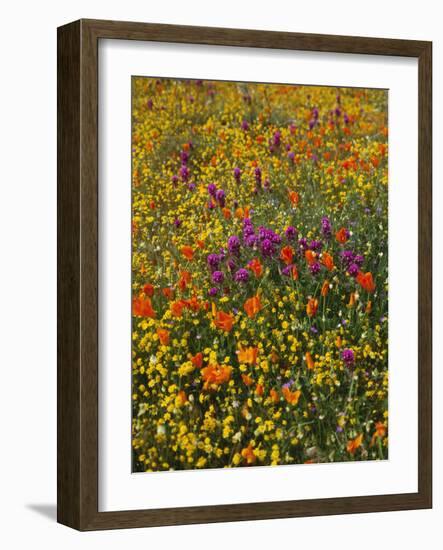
259	274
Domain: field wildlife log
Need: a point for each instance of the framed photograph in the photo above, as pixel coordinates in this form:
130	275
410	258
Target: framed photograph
244	275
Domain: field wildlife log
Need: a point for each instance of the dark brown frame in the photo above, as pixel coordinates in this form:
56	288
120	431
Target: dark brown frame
77	457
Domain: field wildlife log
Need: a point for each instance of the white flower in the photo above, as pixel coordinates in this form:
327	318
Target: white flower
161	430
236	438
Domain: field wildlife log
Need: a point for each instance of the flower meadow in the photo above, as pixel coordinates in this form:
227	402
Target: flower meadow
259	274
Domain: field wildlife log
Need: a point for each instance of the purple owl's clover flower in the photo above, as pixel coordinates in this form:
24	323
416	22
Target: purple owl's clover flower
326	227
257	175
213	261
347	257
213	291
291	233
237	174
353	270
267	247
184	172
250	240
245	125
218	277
287	270
220	197
234	244
315	268
348	357
231	265
242	275
212	189
303	244
275	238
316	246
248	228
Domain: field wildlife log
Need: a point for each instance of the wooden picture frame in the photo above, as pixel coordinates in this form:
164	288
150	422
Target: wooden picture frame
78	274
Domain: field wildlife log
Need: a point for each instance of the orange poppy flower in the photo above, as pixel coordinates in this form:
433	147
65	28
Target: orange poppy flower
368	307
291	397
311	307
248	454
226	213
241	213
380	432
259	390
163	336
354	444
294	272
148	289
274	396
327	261
197	360
168	293
214	375
248	355
325	289
352	299
181	399
177	308
342	235
375	161
142	307
294	197
366	281
193	303
252	306
310	256
224	321
185	279
256	267
247	379
287	254
187	252
309	361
